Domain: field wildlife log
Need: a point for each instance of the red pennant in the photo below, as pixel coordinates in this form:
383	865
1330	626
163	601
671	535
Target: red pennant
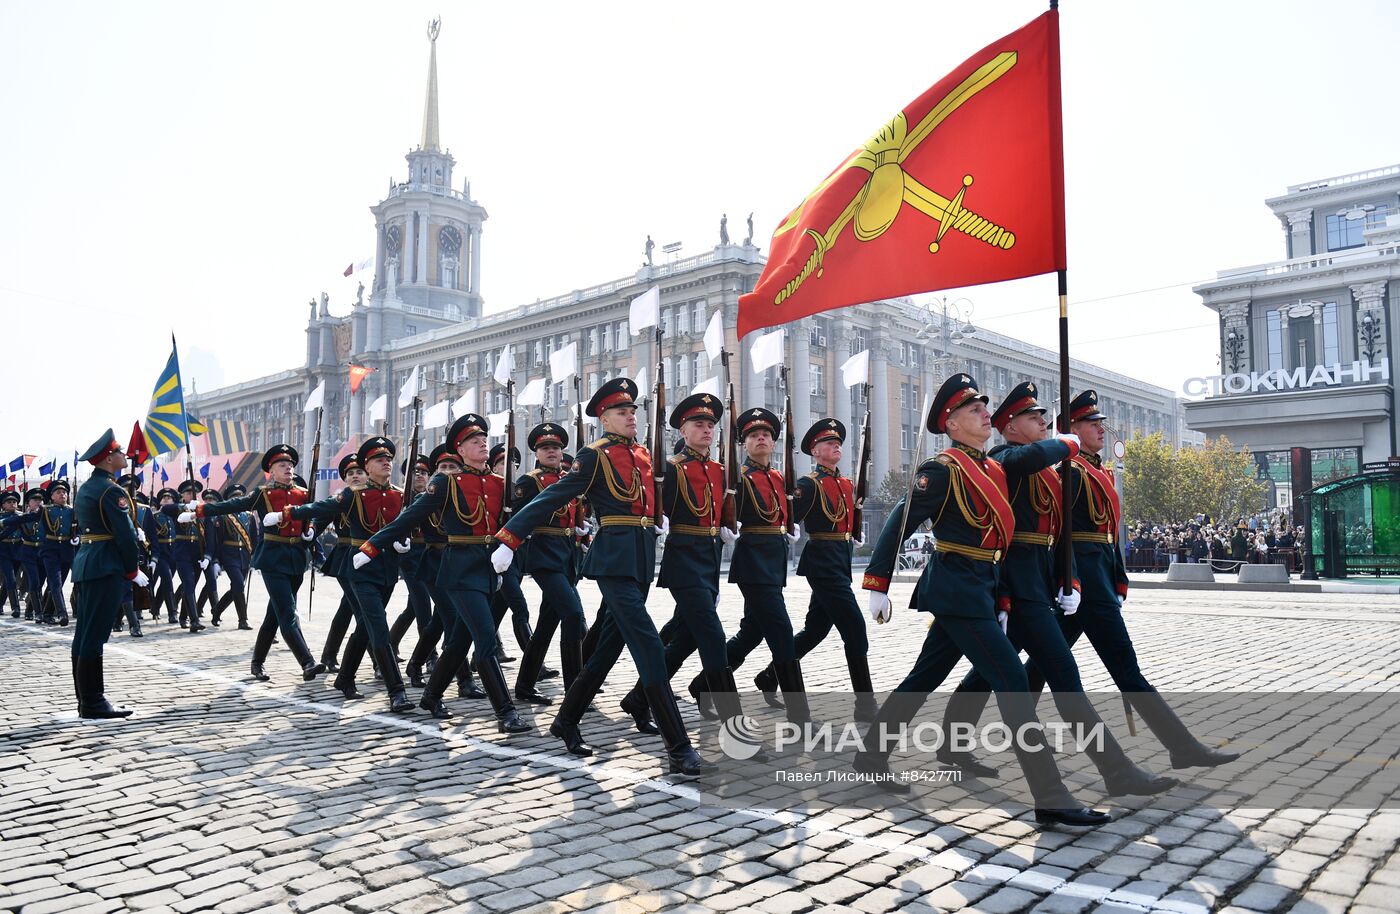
136	450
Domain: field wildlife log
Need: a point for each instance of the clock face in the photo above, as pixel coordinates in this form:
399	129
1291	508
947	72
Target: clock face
391	239
450	240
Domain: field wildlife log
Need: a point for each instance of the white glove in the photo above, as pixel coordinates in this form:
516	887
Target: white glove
141	580
796	534
581	531
272	519
1067	438
402	546
502	557
309	534
881	609
1002	616
189	506
203	564
860	541
151	566
664	527
218	569
140	536
1069	602
186	517
78	539
727	536
360	559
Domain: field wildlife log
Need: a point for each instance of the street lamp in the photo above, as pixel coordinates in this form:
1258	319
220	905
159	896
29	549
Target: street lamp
1370	336
1234	350
948	322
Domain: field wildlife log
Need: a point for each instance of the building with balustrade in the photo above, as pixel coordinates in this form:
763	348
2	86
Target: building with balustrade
1305	342
424	310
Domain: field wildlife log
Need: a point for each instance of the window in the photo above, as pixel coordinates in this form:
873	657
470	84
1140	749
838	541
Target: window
591	347
1331	354
620	334
696	366
698	320
1274	323
860	340
538	353
607	337
1343	231
815	376
904	437
682	318
410	329
683	378
666	322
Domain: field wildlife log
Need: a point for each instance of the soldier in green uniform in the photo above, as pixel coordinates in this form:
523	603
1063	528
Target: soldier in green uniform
963	493
418	611
60	541
1033	589
30	538
102	572
615	474
280	555
9	550
232	539
824	506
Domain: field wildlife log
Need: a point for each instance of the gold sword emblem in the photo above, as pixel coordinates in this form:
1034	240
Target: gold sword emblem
877	204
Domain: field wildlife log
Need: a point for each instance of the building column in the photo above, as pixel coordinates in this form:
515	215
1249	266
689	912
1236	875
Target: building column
800	355
410	248
1235	317
1370	302
1300	233
839	396
474	283
422	252
883	401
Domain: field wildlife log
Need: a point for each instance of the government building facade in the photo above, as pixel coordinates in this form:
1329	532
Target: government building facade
424	311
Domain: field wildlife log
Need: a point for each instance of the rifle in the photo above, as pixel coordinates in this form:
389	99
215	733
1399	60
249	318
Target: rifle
578	414
509	469
862	468
311	496
789	461
658	436
140	596
412	452
729	516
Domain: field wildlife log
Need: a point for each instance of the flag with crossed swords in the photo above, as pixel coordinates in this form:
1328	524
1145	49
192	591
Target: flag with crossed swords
964	186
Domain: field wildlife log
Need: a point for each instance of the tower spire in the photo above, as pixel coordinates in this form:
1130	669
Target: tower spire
430	107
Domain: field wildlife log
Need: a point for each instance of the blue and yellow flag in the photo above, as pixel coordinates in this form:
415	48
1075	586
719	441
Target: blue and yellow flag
168	426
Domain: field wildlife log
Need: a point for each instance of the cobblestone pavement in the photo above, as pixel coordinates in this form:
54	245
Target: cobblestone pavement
222	794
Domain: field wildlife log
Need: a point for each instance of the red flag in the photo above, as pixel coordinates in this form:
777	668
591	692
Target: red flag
350	269
357	375
136	449
964	186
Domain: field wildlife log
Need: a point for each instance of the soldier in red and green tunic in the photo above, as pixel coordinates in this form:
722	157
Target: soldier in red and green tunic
963	493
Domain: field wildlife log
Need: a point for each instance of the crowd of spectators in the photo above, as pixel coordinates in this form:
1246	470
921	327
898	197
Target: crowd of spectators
1263	538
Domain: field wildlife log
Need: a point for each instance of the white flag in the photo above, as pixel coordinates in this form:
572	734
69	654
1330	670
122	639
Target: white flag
708	386
645	311
464	404
504	366
642	382
714	335
533	394
856	369
435	416
409	389
563	363
316	400
377	408
497	421
767	351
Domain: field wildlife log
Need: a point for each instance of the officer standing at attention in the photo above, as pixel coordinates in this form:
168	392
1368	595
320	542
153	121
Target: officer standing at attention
60	541
1095	515
551	559
964	494
359	513
615	474
1032	584
102	572
280	555
824	506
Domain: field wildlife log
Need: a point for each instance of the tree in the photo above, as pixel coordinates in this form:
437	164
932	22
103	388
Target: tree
1162	487
892	488
1147	480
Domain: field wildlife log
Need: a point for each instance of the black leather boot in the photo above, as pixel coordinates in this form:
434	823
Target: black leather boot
699	690
789	673
431	699
570	658
350	665
866	707
576	701
680	754
92	700
466	682
531	663
240	605
1186	751
133	619
507	720
767	683
393	680
217	613
13	593
635	703
296	643
261	645
400	626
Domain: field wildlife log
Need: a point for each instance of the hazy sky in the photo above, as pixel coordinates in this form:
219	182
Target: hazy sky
208	169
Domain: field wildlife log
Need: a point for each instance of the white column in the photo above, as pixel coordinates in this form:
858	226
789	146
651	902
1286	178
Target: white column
800	360
1300	232
410	247
839	397
422	252
1370	302
883	401
475	277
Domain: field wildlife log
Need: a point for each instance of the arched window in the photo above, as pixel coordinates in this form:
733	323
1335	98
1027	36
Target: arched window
449	253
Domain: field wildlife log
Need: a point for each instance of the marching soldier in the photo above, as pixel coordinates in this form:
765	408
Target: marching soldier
352	473
468	507
60	542
1035	588
163	551
418	611
31	538
234	538
615	473
964	494
102	572
280	554
209	567
360	512
552	560
759	565
143	523
509	597
824	505
9	549
188	554
1095	515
